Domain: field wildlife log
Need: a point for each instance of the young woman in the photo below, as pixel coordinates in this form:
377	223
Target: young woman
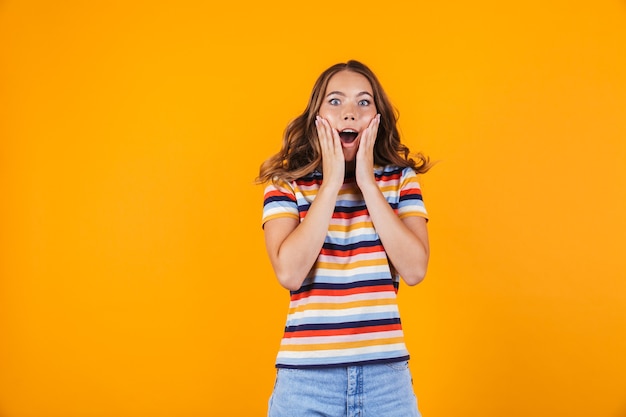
344	221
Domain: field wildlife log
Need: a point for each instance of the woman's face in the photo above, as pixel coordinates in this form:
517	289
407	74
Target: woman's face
348	105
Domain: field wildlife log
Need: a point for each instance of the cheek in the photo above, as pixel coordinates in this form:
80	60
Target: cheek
328	114
369	113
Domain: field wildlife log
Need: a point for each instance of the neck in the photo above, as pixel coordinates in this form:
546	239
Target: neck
350	167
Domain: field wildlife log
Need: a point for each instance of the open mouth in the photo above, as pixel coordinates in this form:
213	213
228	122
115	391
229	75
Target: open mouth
348	135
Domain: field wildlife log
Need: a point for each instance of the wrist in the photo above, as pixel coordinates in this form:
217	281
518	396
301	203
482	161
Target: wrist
366	179
368	186
330	186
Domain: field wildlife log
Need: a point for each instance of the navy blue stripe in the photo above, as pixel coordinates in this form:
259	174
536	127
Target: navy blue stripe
351	209
344	325
389	172
351	246
343	364
273	199
411	197
328	286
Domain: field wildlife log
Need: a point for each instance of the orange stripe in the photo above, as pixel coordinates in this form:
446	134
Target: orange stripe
352	226
342	306
353	265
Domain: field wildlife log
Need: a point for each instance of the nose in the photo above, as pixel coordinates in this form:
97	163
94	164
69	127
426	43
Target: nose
348	113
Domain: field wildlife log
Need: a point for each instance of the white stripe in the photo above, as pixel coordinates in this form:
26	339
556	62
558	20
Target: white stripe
343	312
413	208
350	272
341	352
278	210
351	220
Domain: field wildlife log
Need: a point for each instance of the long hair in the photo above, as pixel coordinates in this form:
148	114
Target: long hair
301	153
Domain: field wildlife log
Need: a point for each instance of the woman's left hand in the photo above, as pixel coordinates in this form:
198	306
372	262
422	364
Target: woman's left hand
365	155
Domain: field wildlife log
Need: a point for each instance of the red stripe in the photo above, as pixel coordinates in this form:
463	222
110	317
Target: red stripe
341	332
308	183
394	176
349	291
277	193
350	215
351	252
415	191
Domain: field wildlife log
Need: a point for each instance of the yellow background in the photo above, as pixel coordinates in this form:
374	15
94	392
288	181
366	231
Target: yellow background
133	277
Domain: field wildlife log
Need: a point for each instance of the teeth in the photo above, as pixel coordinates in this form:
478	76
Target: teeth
348	131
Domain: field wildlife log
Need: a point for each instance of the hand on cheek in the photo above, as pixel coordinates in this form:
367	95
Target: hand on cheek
365	154
333	165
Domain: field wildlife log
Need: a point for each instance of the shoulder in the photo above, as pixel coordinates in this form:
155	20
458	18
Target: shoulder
278	185
308	182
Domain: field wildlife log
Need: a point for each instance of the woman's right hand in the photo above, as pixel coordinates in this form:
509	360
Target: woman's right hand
333	161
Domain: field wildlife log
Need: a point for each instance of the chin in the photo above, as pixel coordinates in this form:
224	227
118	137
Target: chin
349	154
349	158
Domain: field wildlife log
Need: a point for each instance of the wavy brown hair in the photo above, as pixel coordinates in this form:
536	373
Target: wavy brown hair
301	153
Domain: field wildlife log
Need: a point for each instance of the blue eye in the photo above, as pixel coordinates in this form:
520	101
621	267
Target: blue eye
334	101
364	102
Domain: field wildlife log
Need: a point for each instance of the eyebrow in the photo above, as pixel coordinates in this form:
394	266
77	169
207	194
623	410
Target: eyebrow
362	93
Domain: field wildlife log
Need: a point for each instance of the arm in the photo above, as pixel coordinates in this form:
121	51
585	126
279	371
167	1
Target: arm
293	246
406	240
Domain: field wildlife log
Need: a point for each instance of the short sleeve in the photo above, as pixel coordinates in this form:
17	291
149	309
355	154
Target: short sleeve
279	200
410	202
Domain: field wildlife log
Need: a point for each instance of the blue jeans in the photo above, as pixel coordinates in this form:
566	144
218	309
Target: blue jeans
381	390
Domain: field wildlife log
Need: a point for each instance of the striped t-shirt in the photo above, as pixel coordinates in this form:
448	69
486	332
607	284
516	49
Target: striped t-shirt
345	312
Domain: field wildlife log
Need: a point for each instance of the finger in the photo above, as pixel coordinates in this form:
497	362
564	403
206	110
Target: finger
331	136
372	128
369	136
336	139
322	133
